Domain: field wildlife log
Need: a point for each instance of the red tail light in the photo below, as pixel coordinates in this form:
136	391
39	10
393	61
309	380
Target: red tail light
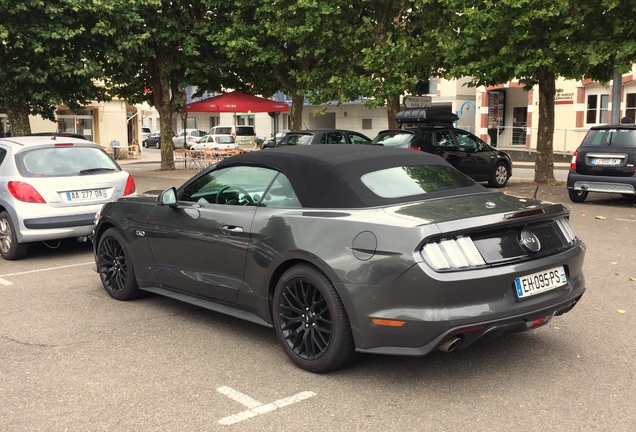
573	161
25	192
415	148
130	186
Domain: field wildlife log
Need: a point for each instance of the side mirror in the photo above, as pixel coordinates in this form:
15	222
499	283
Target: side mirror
168	197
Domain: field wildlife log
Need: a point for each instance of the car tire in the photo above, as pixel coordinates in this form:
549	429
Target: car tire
310	321
10	249
157	144
500	176
145	144
577	196
115	267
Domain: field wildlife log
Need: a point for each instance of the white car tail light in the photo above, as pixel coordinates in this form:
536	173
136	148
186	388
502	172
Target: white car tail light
566	229
455	253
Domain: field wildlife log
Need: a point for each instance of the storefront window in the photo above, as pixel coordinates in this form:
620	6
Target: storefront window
80	123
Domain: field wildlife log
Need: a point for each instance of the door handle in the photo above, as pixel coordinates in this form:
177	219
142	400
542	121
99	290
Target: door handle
232	229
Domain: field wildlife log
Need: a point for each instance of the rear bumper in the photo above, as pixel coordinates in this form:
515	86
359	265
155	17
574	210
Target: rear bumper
469	305
607	184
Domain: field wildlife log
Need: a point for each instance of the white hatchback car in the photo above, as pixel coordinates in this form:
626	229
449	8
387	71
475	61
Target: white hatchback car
51	187
218	142
186	138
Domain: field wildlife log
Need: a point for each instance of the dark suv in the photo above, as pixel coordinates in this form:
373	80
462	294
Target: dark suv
432	130
323	136
604	162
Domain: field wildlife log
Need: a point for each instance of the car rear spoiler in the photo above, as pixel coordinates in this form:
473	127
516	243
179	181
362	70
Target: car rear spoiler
427	115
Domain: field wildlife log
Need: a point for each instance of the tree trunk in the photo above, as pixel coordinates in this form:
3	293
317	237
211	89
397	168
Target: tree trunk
392	108
162	97
544	164
18	116
296	112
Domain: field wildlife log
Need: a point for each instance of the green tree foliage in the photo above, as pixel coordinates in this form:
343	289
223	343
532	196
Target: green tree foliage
156	48
394	50
46	58
534	41
296	46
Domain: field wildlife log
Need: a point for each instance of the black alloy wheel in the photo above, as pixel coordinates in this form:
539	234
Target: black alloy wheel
10	249
310	321
114	268
500	176
577	196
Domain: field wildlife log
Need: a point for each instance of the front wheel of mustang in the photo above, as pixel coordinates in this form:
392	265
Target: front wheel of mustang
115	266
310	321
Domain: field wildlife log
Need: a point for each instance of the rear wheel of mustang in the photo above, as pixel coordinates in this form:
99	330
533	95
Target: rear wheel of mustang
310	321
115	267
577	196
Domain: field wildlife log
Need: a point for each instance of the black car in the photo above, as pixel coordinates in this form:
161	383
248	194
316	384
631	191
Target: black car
153	140
323	136
604	162
432	130
390	252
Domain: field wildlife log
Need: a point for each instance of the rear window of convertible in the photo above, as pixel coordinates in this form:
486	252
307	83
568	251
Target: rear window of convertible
399	182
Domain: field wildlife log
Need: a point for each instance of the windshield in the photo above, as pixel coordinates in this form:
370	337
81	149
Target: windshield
398	139
295	139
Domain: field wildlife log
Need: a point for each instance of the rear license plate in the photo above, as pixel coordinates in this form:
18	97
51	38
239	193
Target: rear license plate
605	161
86	195
540	282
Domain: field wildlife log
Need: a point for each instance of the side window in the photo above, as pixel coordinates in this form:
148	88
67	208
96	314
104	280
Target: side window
335	138
467	141
3	154
358	139
443	139
281	194
238	185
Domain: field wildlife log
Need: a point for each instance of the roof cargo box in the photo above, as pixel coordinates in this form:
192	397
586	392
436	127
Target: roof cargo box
425	115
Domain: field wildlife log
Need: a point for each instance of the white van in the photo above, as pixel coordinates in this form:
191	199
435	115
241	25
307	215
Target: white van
244	135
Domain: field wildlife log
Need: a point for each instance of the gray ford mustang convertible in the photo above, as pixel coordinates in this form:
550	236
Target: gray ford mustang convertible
346	249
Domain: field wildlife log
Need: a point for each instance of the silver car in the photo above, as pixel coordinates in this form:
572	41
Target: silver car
51	187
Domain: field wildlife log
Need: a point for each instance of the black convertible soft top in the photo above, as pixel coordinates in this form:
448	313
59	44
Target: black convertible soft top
328	176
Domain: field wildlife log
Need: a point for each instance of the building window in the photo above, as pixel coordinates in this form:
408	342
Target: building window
630	105
367	124
80	123
214	121
597	109
245	120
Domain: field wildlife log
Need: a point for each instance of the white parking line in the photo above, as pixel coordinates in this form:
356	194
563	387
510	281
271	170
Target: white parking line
6	282
255	407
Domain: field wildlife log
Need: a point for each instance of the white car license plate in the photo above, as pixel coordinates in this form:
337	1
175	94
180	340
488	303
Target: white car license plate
86	195
540	282
605	161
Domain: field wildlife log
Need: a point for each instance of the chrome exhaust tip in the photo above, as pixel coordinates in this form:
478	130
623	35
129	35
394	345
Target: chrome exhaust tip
450	344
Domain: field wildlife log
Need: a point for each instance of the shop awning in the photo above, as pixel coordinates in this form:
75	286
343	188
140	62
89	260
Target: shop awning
236	102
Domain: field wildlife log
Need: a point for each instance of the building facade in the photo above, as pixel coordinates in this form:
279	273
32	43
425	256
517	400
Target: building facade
505	116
